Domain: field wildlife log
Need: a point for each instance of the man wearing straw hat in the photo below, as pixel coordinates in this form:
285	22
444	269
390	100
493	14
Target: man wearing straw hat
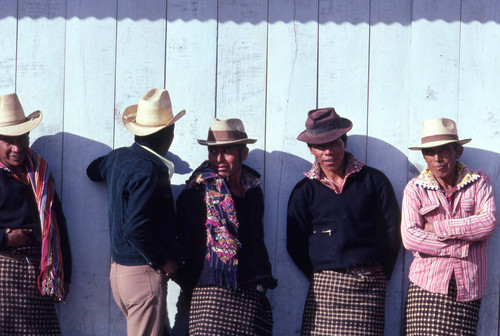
35	259
144	250
448	217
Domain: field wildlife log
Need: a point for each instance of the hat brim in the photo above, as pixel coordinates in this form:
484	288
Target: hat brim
325	137
226	142
24	127
439	143
129	121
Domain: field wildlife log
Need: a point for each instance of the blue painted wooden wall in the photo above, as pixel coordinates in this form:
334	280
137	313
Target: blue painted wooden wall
385	64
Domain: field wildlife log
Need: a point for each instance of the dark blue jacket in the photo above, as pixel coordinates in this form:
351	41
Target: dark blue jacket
140	206
359	227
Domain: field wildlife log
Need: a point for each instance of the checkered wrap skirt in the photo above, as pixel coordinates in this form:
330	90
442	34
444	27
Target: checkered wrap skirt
345	304
218	311
437	314
23	310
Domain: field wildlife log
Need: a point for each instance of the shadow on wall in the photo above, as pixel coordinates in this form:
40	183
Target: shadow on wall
258	11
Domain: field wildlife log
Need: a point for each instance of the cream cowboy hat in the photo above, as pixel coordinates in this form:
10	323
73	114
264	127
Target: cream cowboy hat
226	132
152	114
438	132
13	121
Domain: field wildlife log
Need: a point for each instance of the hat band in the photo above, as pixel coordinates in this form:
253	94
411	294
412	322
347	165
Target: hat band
226	135
321	130
439	137
12	123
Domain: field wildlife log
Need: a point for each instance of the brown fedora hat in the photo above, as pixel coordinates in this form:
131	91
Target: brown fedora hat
152	114
324	125
226	132
13	121
438	132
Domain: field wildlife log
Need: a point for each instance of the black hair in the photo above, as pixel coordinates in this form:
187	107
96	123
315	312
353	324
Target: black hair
156	139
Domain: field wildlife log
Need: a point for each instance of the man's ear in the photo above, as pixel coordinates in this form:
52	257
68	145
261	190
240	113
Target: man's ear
244	154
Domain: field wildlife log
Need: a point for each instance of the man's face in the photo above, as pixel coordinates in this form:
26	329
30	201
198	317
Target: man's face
330	156
442	161
226	160
13	150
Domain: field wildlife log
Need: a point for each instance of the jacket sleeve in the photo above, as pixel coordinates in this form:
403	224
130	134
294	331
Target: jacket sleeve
480	225
416	239
299	228
390	225
190	228
95	169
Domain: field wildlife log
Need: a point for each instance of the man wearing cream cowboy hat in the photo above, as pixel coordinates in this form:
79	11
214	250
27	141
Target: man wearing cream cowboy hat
145	252
35	259
448	217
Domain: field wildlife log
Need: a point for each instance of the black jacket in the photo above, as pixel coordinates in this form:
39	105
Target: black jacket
140	206
359	227
19	210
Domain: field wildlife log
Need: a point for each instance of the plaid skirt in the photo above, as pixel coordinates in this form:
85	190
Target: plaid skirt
345	304
23	310
437	314
219	312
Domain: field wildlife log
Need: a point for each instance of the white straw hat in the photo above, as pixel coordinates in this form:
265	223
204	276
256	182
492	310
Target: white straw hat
438	132
13	121
152	114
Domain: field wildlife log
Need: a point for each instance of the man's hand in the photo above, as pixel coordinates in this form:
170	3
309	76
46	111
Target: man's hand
170	268
429	227
19	237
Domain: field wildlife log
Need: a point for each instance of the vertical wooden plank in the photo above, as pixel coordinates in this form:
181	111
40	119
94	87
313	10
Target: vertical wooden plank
140	56
8	42
479	119
190	78
434	76
140	66
241	69
88	124
343	64
434	66
389	95
40	61
291	92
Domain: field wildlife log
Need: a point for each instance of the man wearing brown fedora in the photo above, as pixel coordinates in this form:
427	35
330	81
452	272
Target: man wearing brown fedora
342	233
35	259
448	217
220	223
144	250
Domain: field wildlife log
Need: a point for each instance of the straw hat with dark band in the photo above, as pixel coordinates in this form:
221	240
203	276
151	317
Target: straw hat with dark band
226	132
438	132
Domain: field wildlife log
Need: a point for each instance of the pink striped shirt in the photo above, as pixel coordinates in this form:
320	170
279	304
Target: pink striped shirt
462	225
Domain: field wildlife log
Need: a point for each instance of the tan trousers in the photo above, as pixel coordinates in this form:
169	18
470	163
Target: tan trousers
140	293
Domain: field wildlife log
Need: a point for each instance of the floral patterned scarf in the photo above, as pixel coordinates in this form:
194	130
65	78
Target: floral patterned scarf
221	223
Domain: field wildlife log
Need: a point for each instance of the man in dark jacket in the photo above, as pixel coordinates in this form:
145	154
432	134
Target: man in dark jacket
144	250
343	233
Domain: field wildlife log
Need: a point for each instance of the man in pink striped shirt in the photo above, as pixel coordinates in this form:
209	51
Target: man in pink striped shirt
448	216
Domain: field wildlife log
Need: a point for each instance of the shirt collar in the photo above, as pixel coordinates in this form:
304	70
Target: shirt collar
465	176
168	163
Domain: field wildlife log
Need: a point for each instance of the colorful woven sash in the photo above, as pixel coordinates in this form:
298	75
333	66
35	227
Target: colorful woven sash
51	278
221	223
